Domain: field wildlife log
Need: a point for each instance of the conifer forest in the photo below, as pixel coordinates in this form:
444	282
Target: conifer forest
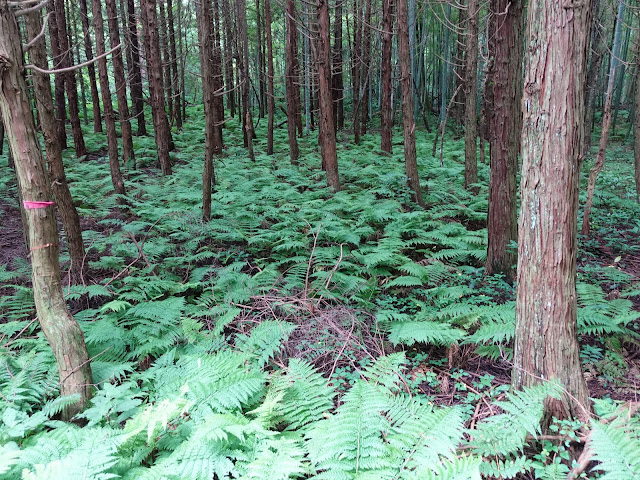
319	239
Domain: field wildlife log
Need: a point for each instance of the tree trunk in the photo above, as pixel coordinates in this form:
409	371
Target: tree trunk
44	103
175	87
162	133
291	78
120	83
109	119
326	129
205	37
165	60
337	85
70	85
62	331
2	135
546	343
505	128
356	59
408	123
135	75
60	102
598	49
246	107
88	51
217	81
387	39
606	123
365	78
270	74
636	123
471	98
229	34
262	86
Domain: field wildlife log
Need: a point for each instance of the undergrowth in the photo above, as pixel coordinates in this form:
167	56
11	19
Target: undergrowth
301	333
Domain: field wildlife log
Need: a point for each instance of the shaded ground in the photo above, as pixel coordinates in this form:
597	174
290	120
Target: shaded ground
11	239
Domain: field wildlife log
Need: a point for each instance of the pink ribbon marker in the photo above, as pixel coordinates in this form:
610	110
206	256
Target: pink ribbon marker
32	205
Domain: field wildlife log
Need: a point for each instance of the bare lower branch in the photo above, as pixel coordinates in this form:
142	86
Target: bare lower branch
73	67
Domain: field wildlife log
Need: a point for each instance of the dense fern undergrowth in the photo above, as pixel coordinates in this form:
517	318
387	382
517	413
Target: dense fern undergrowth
305	334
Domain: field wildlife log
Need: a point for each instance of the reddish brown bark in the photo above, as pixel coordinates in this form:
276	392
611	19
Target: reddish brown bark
408	122
120	83
88	50
71	87
546	343
109	118
291	78
356	59
366	68
386	112
135	75
326	129
247	125
505	126
173	58
471	98
60	102
44	103
337	82
161	129
271	103
61	330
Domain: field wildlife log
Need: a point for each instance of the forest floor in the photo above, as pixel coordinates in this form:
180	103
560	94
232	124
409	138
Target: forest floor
357	275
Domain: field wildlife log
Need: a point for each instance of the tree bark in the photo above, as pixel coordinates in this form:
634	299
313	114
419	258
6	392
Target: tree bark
88	51
205	37
228	43
44	103
291	78
135	75
109	118
60	102
598	49
337	83
471	98
505	128
246	107
173	57
326	128
165	60
366	68
408	123
356	59
271	104
70	84
636	122
386	112
546	343
120	83
606	123
60	328
161	129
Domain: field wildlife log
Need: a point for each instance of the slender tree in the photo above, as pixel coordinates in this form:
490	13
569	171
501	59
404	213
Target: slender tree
291	77
229	53
62	331
546	342
365	77
636	122
271	104
356	59
247	122
91	70
173	64
135	75
326	129
386	90
71	87
337	83
44	103
606	121
205	37
109	115
161	129
120	82
505	125
471	98
59	78
408	123
598	50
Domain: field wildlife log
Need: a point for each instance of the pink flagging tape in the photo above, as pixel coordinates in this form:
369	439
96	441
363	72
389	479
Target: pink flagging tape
31	205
